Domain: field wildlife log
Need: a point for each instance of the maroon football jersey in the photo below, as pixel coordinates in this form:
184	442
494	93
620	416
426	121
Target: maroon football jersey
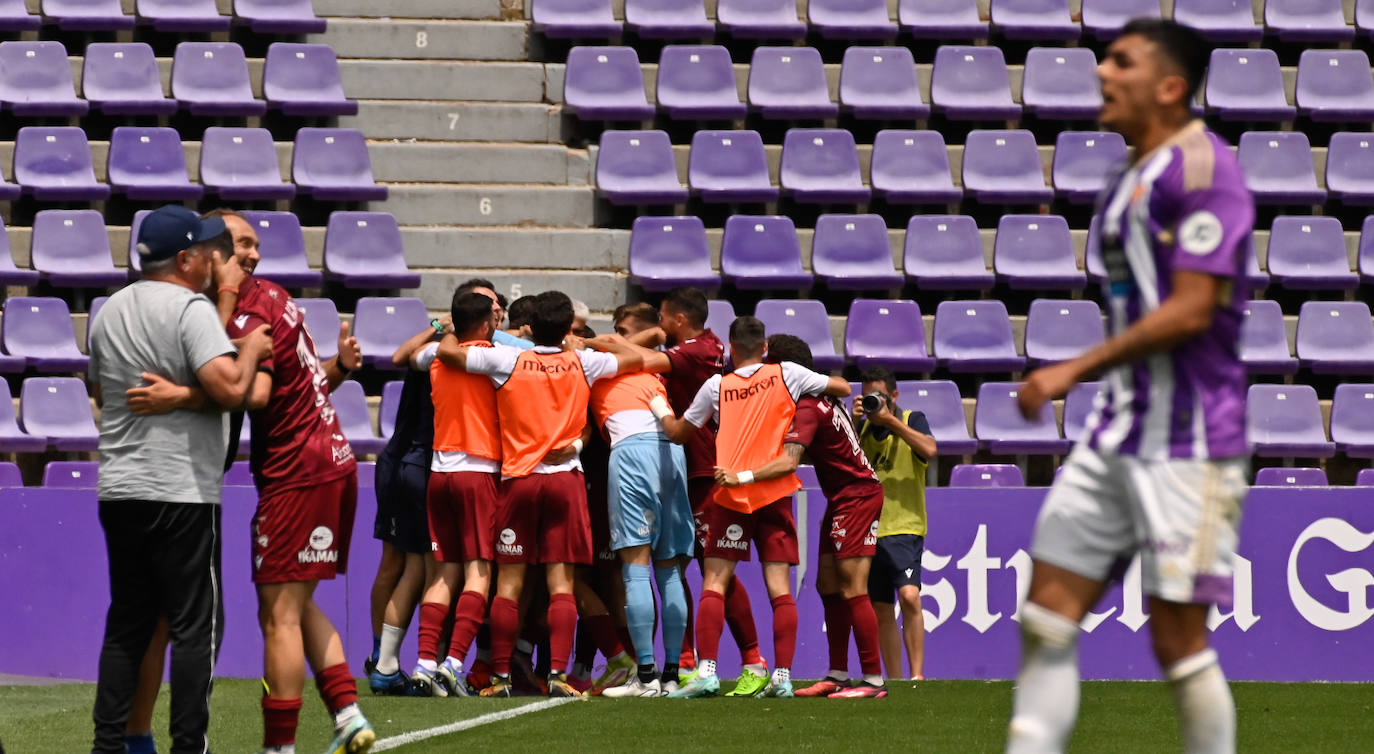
823	427
297	441
694	361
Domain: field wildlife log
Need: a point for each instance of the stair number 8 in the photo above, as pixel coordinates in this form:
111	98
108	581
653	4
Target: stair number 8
421	39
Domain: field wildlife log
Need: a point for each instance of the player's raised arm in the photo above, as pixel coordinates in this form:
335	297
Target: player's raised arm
837	387
402	358
650	360
451	354
778	467
349	358
702	409
228	381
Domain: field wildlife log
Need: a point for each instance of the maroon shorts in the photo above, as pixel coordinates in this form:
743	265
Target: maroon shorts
699	494
599	515
461	507
542	518
772	528
849	528
302	534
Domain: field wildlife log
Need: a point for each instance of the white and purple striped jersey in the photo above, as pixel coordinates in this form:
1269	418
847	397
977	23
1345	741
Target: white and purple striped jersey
1185	207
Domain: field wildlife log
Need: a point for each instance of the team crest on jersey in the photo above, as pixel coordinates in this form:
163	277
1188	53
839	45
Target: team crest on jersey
872	538
733	539
507	545
321	547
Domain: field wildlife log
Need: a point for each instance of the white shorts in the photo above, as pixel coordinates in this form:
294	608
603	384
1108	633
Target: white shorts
1182	516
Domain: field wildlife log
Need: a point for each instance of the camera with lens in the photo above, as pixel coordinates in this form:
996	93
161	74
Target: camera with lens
873	403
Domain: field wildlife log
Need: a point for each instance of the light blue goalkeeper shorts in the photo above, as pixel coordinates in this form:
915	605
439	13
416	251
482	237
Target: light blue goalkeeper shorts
648	502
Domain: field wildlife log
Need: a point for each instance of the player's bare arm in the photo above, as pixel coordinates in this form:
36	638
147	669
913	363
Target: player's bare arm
228	381
451	354
560	456
161	395
651	338
260	393
349	358
838	387
920	442
405	354
653	361
778	467
228	276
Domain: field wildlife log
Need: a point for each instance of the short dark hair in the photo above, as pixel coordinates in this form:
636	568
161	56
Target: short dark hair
747	334
552	318
1180	44
474	283
641	311
221	212
585	332
520	312
783	347
501	300
470	309
223	243
879	374
690	302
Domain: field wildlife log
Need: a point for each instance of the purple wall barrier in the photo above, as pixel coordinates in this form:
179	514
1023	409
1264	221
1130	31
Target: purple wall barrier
1304	608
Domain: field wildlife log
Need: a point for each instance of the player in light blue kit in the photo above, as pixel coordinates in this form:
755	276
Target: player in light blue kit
1162	467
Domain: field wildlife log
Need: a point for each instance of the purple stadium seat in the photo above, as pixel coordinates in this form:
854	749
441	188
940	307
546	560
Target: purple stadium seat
69	248
1263	343
278	16
71	474
12	438
1001	429
637	167
1034	19
1284	421
40	330
727	167
667	252
1253	278
1352	420
940	401
975	336
9	191
1350	169
281	245
1307	21
1278	476
381	325
851	252
945	252
241	164
760	19
1247	85
1035	252
322	320
762	253
941	19
386	410
1335	86
575	19
1278	167
879	83
698	82
301	79
854	20
122	79
355	421
1224	21
1366	252
1103	19
93	309
1364	17
886	333
10	475
15	16
668	19
821	166
86	15
58	411
605	83
182	15
912	167
719	315
788	83
1365	478
1061	84
364	250
807	320
35	79
1078	407
1336	337
240	474
986	475
54	163
1059	330
9	273
1003	167
971	83
149	164
332	164
1083	161
1308	253
211	78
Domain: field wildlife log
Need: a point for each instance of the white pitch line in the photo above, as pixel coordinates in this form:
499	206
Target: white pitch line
386	744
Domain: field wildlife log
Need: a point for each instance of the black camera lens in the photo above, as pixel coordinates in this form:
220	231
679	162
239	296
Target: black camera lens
872	403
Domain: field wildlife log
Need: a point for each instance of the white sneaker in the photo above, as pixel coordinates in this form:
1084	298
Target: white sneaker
669	686
635	688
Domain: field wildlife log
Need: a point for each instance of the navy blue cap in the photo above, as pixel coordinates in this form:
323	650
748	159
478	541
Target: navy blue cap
167	230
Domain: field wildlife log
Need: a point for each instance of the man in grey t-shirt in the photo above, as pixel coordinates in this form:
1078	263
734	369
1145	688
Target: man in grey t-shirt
160	475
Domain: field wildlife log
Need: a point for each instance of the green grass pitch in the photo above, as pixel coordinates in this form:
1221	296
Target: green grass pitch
938	716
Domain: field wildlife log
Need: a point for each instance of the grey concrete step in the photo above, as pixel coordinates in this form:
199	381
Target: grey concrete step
443	80
460	9
457	121
426	40
496	204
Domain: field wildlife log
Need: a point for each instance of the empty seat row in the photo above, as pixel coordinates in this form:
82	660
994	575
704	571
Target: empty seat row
987	475
261	16
70	248
697	82
208	78
1219	21
54	163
